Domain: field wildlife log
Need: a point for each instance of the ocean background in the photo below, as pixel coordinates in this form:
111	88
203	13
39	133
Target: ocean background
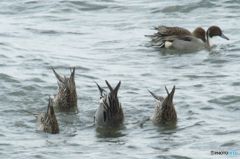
104	40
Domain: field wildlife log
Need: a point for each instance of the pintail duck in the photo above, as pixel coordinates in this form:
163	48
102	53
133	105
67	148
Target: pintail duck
47	122
109	112
66	99
181	39
164	110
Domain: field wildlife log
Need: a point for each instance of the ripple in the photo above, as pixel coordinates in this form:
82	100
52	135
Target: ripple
198	85
216	61
3	56
30	88
7	78
21	124
199	123
225	132
173	157
188	7
19	93
40	156
37	80
85	6
226	100
207	108
40	31
235	84
230	144
5	144
53	32
109	133
205	76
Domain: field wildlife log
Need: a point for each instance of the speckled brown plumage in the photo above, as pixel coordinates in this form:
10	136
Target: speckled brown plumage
200	33
47	122
169	31
170	34
164	111
109	112
181	39
66	98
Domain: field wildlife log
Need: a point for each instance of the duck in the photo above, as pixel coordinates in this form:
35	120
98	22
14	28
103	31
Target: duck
66	98
181	39
165	112
109	112
47	121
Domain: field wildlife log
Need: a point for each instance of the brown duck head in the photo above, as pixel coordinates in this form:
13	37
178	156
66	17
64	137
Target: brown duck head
200	33
216	31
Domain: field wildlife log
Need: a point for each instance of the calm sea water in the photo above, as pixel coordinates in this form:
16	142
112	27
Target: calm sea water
105	40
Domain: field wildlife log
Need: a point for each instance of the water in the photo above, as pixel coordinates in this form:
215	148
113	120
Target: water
104	39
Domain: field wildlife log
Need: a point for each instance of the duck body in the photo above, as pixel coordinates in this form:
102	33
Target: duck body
47	121
164	110
177	38
109	113
66	98
183	43
181	39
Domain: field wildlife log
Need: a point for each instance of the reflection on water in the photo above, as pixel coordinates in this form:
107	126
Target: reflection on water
109	132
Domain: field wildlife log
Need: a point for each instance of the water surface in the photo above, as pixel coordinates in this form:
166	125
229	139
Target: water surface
104	39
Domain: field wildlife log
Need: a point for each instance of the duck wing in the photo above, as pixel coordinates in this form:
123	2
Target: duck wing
170	31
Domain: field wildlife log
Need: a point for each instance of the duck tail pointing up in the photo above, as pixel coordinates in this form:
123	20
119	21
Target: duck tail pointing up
115	90
61	79
72	73
169	98
101	90
154	96
109	86
50	110
172	93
